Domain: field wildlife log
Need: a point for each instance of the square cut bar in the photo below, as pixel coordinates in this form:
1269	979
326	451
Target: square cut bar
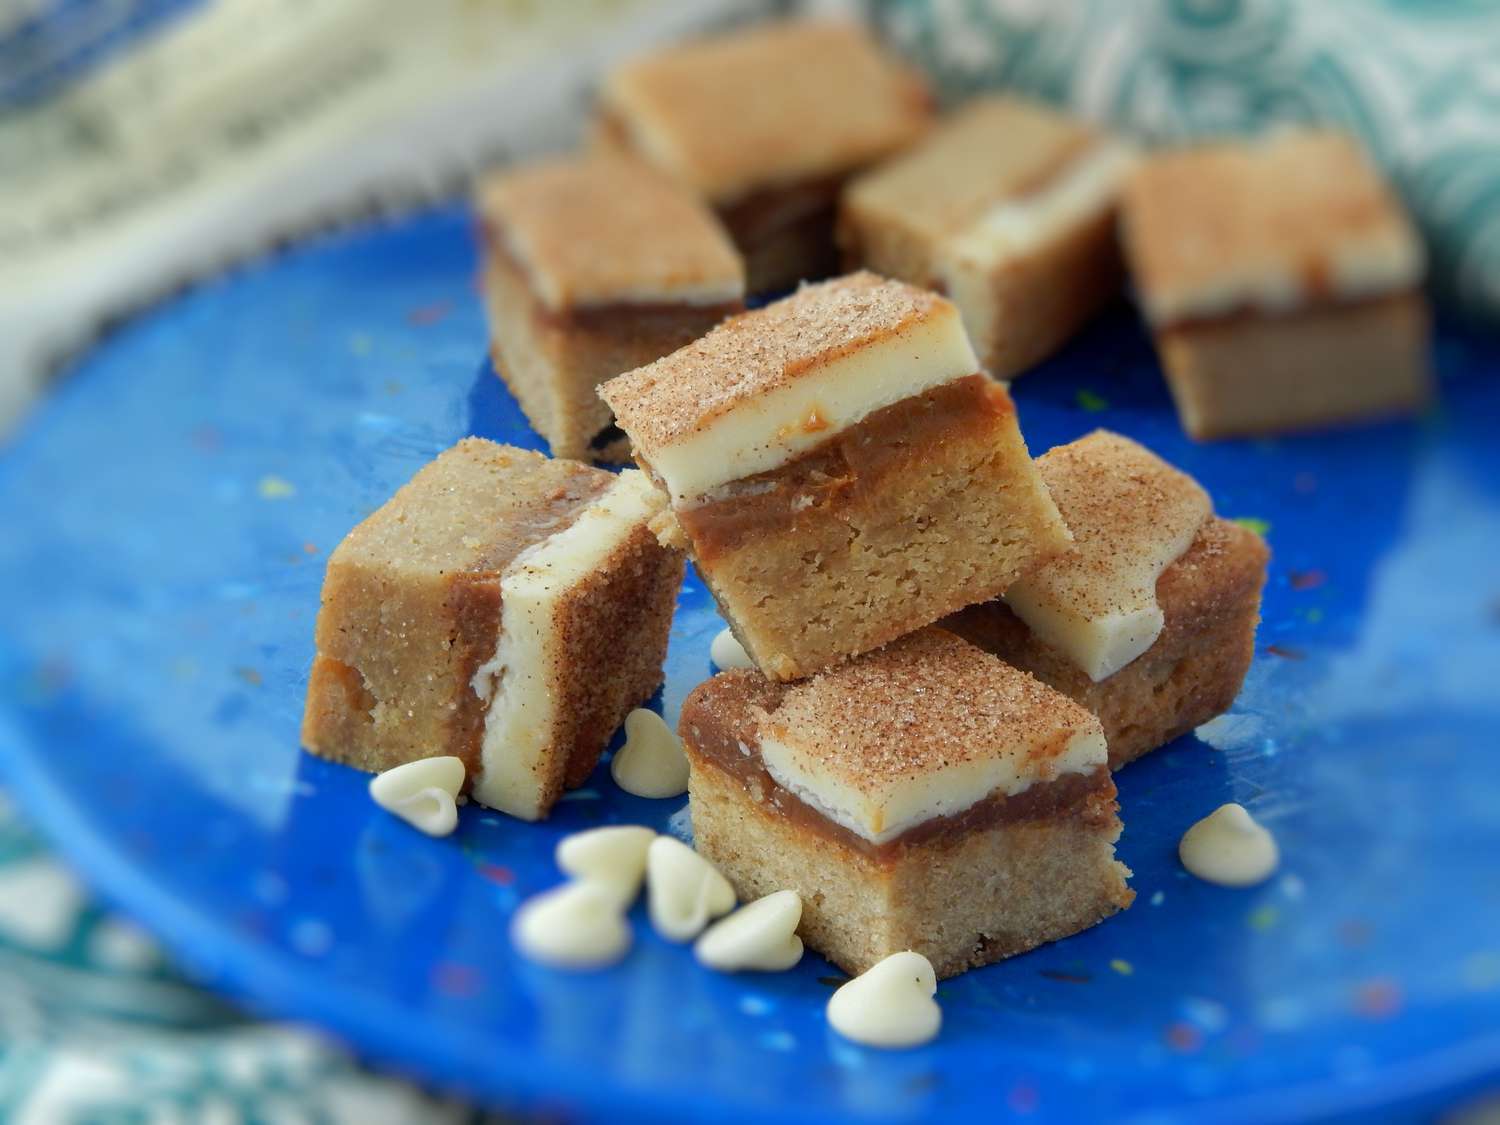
766	125
1282	280
925	796
1149	619
502	607
593	267
1007	207
839	470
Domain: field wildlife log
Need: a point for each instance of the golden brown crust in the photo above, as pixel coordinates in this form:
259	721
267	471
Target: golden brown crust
412	607
1283	208
779	104
753	353
961	901
992	150
1333	363
1210	598
603	230
411	602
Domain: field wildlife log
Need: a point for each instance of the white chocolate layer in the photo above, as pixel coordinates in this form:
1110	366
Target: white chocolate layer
766	432
1384	261
883	814
520	679
1013	228
1019	228
1131	516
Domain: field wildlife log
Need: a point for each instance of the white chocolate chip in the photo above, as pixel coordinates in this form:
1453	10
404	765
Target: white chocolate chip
890	1004
613	858
761	935
574	926
651	763
422	793
683	890
1229	848
726	652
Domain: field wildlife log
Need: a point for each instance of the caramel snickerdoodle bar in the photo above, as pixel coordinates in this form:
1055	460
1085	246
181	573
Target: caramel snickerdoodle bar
594	266
1283	281
504	608
766	124
1009	208
839	470
1148	619
924	796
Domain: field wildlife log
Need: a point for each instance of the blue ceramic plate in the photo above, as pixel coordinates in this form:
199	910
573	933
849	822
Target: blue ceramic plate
166	520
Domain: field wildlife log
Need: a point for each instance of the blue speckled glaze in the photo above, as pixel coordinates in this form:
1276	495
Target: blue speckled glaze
167	516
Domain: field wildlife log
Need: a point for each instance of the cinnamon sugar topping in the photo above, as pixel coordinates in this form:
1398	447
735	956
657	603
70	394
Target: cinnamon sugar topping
926	703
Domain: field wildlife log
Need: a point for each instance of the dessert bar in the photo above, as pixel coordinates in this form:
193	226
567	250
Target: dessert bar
593	267
925	796
503	608
1148	620
766	124
1282	279
1007	207
839	469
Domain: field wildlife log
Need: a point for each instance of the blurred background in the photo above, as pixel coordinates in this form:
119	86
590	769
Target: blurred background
145	143
148	144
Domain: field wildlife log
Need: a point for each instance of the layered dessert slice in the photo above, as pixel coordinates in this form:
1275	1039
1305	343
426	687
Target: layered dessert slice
766	125
1148	619
839	469
1282	279
593	267
503	608
925	796
1007	207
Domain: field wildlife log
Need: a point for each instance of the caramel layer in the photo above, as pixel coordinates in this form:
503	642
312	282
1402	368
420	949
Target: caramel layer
765	212
852	464
714	739
1228	321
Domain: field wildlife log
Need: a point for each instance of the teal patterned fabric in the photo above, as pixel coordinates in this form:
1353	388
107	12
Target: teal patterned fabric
1419	80
96	1028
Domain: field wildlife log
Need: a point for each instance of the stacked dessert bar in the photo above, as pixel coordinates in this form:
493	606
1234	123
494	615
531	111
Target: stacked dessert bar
953	644
843	475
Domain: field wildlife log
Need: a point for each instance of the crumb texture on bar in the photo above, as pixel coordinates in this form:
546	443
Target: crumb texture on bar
1131	515
767	385
601	230
961	901
504	608
925	727
410	601
1298	217
779	104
